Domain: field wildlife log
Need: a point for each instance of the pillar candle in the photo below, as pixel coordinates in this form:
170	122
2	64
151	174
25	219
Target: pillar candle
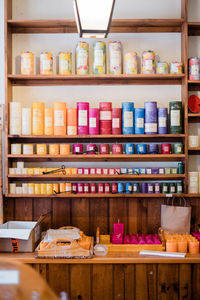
116	121
59	118
139	120
15	123
38	118
193	182
48	121
93	121
127	118
26	121
105	117
151	120
162	120
72	121
83	118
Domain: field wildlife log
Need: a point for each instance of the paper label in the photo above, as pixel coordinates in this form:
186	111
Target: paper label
58	118
100	189
129	188
179	188
111	172
86	172
80	171
150	188
150	127
9	277
64	65
98	171
162	121
26	63
128	119
134	188
148	63
93	122
148	171
92	171
80	188
165	189
105	115
175	118
98	58
173	189
157	188
195	70
161	171
82	118
141	148
86	188
82	58
115	59
46	64
115	123
193	181
140	123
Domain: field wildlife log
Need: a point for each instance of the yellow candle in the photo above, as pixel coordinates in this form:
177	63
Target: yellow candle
68	171
37	188
53	149
56	187
30	171
48	121
49	188
41	149
73	171
42	170
43	188
62	187
38	118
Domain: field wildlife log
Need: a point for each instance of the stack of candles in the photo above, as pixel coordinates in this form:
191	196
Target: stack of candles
182	243
104	120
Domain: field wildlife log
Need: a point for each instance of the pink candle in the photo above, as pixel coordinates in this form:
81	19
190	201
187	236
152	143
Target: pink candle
114	188
165	148
118	228
80	188
98	171
112	171
105	117
74	188
107	188
77	148
83	117
86	188
80	171
117	149
93	188
93	121
116	121
100	188
86	171
91	148
105	171
92	171
104	149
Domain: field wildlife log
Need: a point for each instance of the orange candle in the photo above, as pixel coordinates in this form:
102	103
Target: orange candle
193	247
182	246
68	187
73	171
56	187
171	246
60	118
53	149
49	188
43	188
38	118
68	171
64	149
37	188
48	121
41	149
72	121
62	187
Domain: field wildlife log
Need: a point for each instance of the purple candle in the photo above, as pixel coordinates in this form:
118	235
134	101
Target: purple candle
153	149
151	120
157	188
150	188
144	188
162	120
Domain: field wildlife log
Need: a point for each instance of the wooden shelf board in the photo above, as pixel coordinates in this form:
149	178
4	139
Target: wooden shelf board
117	26
95	177
194	85
114	258
98	138
152	79
194	151
94	196
191	115
194	28
87	158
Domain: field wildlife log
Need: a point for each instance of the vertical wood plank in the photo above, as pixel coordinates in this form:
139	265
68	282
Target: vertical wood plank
130	287
59	278
154	215
41	207
118	211
195	281
80	282
42	269
118	282
102	280
168	282
9	209
146	279
61	212
24	209
98	215
185	281
80	214
133	204
144	218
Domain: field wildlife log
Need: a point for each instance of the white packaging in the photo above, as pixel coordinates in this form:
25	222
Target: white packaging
15	120
26	121
12	188
18	171
20	164
193	141
24	188
11	171
16	149
18	190
28	149
24	171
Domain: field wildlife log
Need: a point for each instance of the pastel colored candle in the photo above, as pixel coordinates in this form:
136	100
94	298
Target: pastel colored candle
59	118
116	121
26	121
41	149
86	188
64	149
71	121
48	121
166	148
115	57
15	120
38	118
100	188
16	149
139	120
94	121
83	118
74	188
193	247
91	148
105	109
107	188
80	188
151	117
93	188
162	120
104	149
117	149
128	118
98	171
171	245
54	149
77	148
114	188
28	149
182	246
111	171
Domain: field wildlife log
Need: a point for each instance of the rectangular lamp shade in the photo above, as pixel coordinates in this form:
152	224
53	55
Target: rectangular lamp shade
93	17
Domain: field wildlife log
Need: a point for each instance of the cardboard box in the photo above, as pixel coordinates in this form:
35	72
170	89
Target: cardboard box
20	236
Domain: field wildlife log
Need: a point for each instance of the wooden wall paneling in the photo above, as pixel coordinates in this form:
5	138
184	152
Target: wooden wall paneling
130	285
98	215
146	279
80	282
102	282
24	209
59	278
195	278
154	214
133	208
185	281
144	215
9	209
195	213
118	211
118	282
80	214
168	282
61	212
42	269
40	207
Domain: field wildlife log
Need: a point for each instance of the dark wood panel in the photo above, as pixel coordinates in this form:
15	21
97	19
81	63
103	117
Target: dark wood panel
168	282
61	213
129	285
42	207
80	214
99	215
133	205
24	209
80	282
102	282
185	281
146	279
118	282
195	278
59	278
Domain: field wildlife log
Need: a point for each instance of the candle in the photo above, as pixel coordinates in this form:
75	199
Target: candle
171	246
193	247
118	228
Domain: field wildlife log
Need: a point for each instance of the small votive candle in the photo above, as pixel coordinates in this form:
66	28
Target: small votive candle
182	246
171	245
193	247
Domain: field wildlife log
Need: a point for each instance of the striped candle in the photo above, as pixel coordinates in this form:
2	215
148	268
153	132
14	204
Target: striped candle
83	118
151	120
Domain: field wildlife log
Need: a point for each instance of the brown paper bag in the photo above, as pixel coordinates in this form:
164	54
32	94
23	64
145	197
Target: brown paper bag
175	219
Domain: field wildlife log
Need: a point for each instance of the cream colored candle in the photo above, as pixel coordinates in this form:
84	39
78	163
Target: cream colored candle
26	121
12	188
38	118
48	127
193	182
25	171
72	121
11	171
64	149
24	188
59	118
18	190
31	188
16	149
15	120
28	149
193	141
